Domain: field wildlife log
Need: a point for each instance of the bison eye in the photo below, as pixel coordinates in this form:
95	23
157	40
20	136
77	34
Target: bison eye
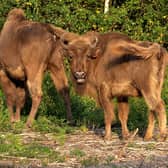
65	42
70	54
70	58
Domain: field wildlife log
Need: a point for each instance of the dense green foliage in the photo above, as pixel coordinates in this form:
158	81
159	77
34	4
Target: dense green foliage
142	20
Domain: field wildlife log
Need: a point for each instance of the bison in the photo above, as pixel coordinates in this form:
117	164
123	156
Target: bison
105	66
27	50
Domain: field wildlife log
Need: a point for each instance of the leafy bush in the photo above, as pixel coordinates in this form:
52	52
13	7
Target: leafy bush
85	112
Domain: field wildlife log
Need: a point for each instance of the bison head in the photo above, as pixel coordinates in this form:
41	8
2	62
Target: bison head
80	51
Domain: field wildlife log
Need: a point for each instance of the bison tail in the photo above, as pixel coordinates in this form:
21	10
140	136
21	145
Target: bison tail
153	50
164	54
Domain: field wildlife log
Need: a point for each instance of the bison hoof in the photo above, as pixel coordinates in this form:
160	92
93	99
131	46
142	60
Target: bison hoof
162	138
107	137
148	138
17	119
28	125
69	117
12	119
71	123
126	136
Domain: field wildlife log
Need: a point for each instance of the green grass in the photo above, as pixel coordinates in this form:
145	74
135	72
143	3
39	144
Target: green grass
133	145
150	146
77	153
13	145
38	151
90	161
109	159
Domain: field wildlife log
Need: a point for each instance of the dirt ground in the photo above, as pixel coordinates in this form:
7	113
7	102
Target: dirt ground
97	153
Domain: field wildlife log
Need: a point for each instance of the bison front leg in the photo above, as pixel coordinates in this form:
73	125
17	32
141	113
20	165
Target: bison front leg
61	83
105	101
151	124
35	88
36	95
123	111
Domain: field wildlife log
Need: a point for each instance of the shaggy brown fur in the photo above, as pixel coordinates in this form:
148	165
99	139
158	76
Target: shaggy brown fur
110	65
28	49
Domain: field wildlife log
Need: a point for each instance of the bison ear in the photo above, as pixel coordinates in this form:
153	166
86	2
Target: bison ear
67	38
92	38
93	42
64	43
56	30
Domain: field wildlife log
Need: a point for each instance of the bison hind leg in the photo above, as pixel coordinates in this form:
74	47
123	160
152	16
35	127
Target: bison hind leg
150	128
157	108
162	120
36	95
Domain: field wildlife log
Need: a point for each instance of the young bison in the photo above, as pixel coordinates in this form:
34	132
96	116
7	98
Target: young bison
110	65
27	50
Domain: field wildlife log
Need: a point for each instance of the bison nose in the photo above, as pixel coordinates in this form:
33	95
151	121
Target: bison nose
80	74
